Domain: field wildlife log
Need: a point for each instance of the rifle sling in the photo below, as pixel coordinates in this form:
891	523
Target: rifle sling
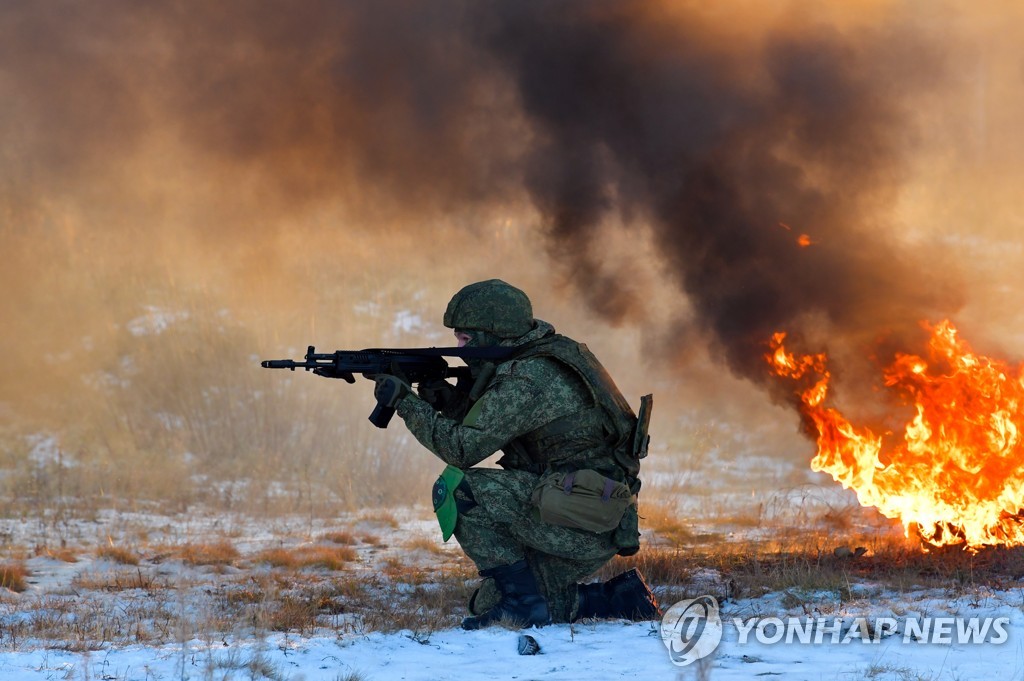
495	352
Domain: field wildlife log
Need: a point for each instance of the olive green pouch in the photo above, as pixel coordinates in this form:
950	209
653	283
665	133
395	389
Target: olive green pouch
582	499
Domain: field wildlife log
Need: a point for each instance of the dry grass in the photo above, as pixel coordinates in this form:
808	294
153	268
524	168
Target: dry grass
807	563
291	614
215	553
421	543
63	554
14	576
662	522
330	558
427	597
379	517
397	570
436	600
151	419
373	540
344	538
118	580
350	603
118	554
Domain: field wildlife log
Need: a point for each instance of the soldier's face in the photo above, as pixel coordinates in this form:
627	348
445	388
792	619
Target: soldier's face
462	338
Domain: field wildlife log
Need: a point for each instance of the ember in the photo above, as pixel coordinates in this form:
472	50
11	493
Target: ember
957	477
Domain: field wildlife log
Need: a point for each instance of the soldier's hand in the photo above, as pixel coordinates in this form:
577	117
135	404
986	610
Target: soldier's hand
436	393
390	389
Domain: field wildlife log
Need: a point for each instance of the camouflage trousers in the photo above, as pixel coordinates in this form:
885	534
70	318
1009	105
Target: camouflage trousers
504	528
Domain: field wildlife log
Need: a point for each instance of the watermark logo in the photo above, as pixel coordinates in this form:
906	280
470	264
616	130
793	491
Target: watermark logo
866	630
691	630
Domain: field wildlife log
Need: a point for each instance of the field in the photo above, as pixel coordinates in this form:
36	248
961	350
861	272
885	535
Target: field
135	551
205	593
179	513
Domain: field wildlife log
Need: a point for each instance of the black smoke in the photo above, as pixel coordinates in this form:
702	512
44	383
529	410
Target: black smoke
731	153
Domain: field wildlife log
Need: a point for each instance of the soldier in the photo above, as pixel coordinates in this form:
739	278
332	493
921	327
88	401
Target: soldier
564	501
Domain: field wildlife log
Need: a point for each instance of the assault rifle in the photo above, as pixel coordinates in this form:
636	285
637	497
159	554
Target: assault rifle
414	365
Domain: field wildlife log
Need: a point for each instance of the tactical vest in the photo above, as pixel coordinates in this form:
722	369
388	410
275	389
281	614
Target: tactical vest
606	436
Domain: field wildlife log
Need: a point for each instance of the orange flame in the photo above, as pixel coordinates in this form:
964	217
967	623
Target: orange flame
804	240
958	475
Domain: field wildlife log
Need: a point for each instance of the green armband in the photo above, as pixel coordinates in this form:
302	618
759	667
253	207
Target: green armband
444	500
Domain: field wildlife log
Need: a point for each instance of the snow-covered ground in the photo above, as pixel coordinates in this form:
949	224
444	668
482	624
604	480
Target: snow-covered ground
607	650
93	591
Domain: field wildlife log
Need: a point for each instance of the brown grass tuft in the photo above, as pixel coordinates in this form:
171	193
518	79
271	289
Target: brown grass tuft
292	614
373	540
330	558
118	580
217	553
14	576
398	571
423	544
118	554
63	554
379	517
345	538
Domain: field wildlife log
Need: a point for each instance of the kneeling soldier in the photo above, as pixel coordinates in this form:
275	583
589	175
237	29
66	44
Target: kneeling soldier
564	501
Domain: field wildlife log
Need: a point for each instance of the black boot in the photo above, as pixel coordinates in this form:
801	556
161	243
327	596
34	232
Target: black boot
521	601
625	596
631	597
594	603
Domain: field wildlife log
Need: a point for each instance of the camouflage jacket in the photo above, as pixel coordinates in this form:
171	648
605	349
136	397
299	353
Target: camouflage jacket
536	410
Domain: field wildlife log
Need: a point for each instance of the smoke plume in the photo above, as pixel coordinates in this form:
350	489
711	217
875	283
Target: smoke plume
733	155
763	153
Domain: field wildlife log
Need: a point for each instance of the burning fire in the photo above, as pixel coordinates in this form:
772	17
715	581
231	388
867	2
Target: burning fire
957	477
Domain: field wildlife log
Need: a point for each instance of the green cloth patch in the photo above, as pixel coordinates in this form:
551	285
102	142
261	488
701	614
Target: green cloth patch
444	500
472	416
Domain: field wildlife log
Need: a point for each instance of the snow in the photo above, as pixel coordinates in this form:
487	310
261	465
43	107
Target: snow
607	650
489	654
45	450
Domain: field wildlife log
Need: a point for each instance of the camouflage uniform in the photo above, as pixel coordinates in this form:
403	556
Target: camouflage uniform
540	413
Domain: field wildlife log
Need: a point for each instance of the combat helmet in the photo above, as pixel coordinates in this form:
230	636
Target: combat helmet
492	306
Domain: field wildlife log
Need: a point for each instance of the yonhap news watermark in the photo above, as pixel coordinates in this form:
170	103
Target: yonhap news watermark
692	629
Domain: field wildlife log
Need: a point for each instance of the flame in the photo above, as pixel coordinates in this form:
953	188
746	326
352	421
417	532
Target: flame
957	477
804	240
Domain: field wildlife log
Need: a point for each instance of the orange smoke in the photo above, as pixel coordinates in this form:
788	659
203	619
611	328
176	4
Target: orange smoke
957	476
